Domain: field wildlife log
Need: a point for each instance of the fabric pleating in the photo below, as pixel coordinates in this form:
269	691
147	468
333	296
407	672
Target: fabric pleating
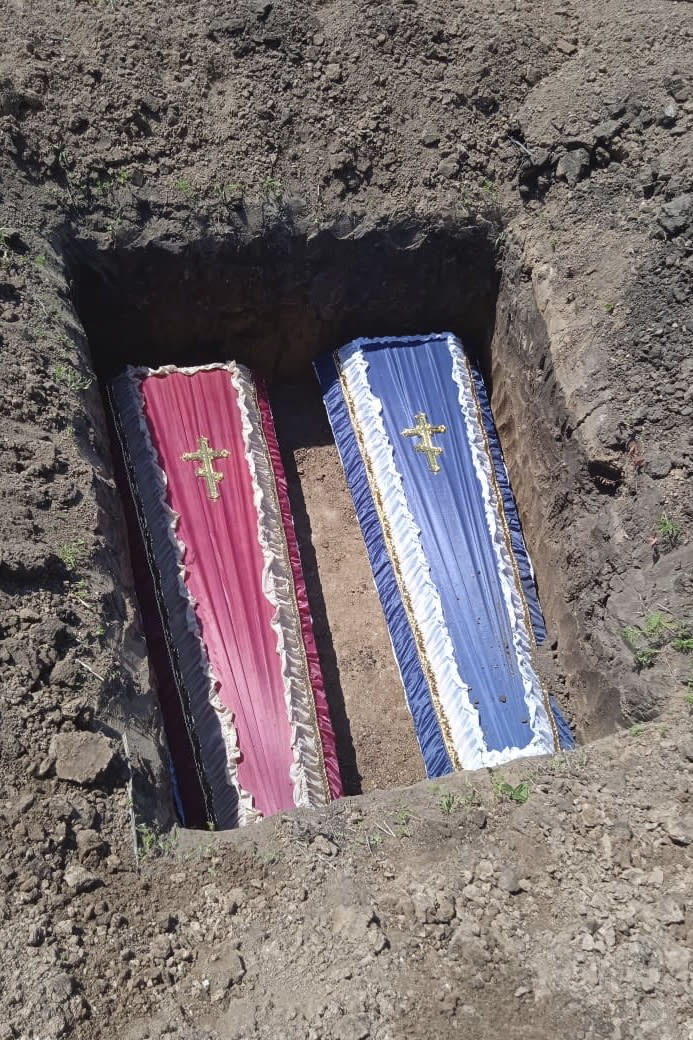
198	446
415	433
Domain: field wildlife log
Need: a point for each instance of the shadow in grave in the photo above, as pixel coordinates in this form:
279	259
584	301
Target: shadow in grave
305	428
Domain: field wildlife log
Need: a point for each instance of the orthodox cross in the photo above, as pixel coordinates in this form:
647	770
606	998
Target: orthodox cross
423	430
206	455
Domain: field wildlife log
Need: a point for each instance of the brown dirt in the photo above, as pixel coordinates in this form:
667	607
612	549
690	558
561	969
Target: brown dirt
361	676
266	181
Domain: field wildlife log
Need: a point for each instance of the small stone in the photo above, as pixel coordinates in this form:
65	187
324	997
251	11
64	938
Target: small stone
670	912
81	757
430	139
448	168
352	1027
658	466
228	971
591	816
573	166
166	922
677	214
62	986
334	73
649	980
679	829
81	880
352	922
686	748
161	948
677	960
36	936
509	882
478	818
323	844
566	47
668	114
235	898
90	842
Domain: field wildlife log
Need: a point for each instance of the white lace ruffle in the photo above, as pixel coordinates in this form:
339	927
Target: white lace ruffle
307	772
542	741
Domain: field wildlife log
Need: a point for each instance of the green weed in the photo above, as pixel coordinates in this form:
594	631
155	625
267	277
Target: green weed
402	820
153	843
668	532
658	633
231	192
502	789
271	187
183	186
73	553
635	731
67	376
449	803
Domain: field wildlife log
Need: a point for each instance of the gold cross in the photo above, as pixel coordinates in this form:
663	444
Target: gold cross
424	429
206	456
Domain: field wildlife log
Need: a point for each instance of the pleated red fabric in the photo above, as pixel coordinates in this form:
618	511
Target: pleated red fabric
327	737
224	567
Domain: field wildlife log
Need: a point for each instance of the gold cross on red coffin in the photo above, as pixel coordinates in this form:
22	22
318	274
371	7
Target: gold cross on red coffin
206	456
424	429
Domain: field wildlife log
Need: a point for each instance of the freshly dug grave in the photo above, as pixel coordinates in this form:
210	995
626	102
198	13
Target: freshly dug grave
145	156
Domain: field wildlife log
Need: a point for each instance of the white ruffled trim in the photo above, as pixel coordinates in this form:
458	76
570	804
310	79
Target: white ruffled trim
247	813
543	740
307	772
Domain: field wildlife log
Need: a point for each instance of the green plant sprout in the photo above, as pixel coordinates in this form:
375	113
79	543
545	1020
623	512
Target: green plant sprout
68	377
502	789
658	633
73	553
668	532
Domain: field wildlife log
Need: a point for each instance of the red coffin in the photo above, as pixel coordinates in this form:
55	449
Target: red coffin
223	593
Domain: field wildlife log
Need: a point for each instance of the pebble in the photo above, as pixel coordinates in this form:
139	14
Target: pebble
508	881
679	829
448	168
81	757
81	880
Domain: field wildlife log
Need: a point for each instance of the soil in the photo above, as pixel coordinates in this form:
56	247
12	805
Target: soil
180	183
361	677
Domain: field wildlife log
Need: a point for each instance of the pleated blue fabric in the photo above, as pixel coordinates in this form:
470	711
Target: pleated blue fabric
426	724
415	433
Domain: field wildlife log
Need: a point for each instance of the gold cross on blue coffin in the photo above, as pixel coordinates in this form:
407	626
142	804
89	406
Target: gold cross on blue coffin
424	430
206	456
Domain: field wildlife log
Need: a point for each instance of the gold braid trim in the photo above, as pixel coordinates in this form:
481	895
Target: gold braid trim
394	559
292	589
508	543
